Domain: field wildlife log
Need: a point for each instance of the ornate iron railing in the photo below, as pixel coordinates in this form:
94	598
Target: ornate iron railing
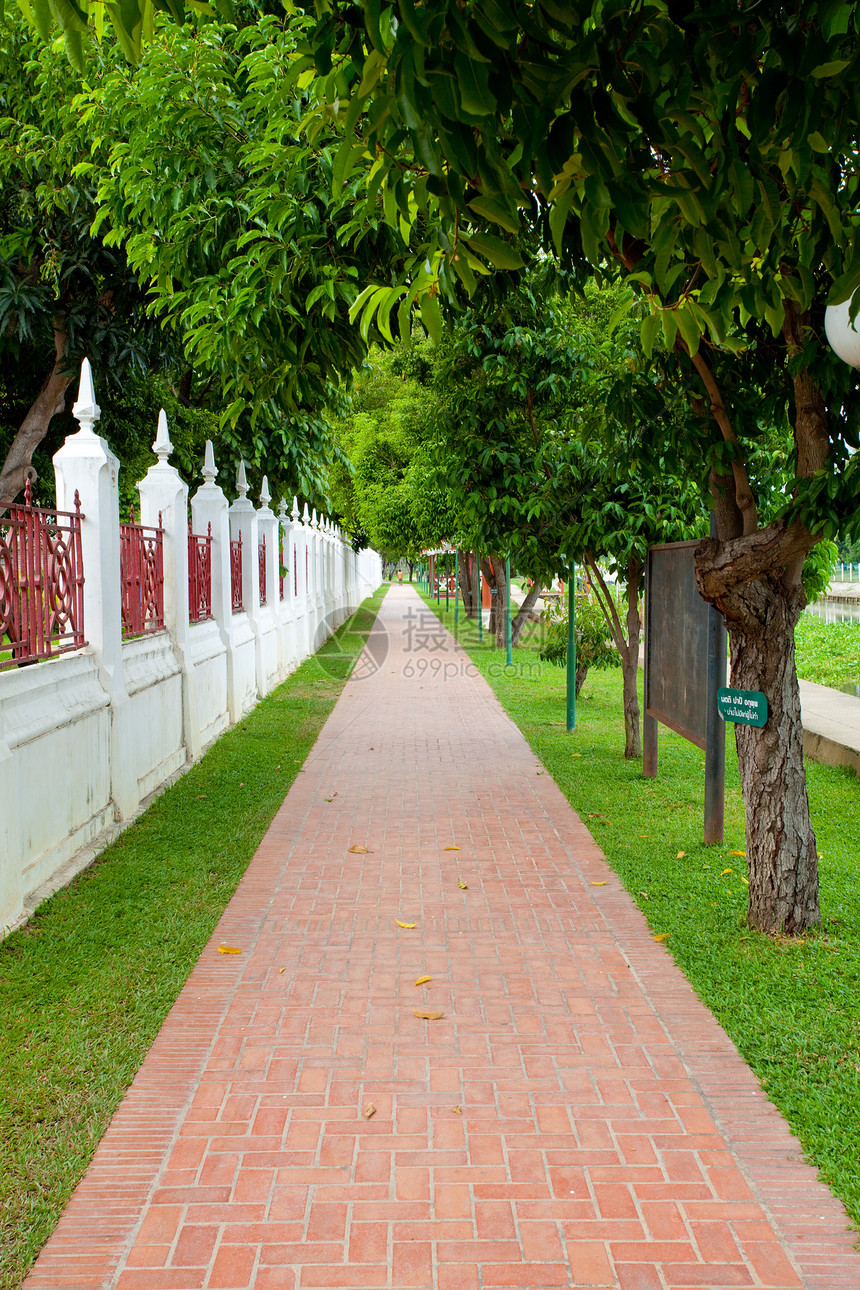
199	576
141	554
261	562
236	575
41	582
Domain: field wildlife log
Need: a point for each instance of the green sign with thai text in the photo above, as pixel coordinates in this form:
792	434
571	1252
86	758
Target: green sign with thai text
744	707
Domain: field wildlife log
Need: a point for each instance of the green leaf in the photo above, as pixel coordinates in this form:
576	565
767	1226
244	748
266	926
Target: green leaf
431	316
496	213
830	69
42	17
558	217
473	81
500	253
648	333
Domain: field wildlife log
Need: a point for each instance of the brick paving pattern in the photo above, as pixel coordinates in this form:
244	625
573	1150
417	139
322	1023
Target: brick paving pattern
576	1117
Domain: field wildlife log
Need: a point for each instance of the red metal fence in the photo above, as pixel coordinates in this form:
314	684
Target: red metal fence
41	582
236	575
261	561
141	556
199	576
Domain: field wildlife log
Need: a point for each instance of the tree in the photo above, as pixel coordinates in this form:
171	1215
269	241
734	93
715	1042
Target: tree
388	488
709	157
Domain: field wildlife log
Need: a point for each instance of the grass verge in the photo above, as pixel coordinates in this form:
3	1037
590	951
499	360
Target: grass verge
828	653
792	1006
86	984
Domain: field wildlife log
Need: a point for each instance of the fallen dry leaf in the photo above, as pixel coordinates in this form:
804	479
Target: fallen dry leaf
229	949
738	853
662	936
369	1110
427	1016
358	851
464	886
576	754
680	855
281	971
645	894
458	1110
599	884
723	872
278	767
407	925
422	980
745	880
450	848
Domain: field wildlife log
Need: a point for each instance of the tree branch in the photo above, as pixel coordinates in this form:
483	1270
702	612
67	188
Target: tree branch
723	566
743	493
48	402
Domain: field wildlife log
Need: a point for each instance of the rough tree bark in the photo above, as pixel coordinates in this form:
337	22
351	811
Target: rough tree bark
524	610
18	467
627	645
466	589
753	576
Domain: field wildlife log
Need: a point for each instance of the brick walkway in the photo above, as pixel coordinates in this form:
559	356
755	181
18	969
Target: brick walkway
576	1118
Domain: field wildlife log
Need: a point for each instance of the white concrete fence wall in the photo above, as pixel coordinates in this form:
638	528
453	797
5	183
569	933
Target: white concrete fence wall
87	737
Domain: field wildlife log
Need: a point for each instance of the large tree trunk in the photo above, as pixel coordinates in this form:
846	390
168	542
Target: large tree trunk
467	588
753	576
493	571
524	611
782	860
48	402
627	645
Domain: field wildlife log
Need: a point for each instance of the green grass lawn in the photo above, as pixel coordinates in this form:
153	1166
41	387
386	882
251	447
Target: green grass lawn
86	984
792	1007
828	653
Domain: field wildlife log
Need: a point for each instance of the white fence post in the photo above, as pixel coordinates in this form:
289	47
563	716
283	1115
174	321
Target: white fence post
85	464
164	498
243	523
209	505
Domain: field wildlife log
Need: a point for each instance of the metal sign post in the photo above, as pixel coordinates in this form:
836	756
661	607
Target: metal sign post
508	648
478	598
571	651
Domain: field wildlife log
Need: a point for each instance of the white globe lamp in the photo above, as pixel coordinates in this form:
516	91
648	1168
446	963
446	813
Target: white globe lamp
842	333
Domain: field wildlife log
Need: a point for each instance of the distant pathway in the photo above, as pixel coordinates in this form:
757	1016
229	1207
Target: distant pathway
576	1117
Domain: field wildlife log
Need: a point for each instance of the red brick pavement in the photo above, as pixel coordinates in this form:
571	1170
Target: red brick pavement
576	1118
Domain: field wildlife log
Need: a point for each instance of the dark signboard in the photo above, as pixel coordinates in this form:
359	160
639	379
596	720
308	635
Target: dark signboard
685	653
677	622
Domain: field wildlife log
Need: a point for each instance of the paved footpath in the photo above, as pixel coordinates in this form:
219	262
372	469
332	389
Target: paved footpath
576	1117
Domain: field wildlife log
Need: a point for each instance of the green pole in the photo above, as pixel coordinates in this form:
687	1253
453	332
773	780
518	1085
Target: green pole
478	596
457	586
571	651
447	581
509	657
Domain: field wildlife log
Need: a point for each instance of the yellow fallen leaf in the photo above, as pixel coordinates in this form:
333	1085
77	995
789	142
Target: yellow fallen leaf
645	894
599	884
450	848
576	754
281	971
427	1016
725	871
464	886
458	1110
358	851
680	855
407	925
737	853
422	980
369	1110
229	949
662	936
745	880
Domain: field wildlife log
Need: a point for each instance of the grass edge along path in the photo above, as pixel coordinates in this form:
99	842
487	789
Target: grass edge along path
790	1006
86	984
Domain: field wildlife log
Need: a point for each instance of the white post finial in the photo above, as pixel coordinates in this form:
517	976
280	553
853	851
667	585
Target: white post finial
306	515
162	446
241	481
86	411
295	511
314	520
209	469
265	495
282	510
